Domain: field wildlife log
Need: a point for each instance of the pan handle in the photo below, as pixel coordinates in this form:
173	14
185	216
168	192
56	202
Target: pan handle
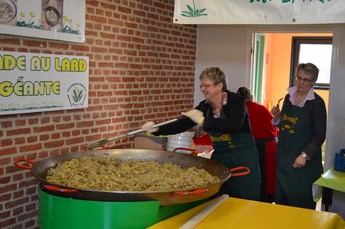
193	192
235	171
17	163
86	149
54	188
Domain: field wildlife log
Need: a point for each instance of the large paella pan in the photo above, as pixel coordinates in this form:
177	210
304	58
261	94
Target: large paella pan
167	197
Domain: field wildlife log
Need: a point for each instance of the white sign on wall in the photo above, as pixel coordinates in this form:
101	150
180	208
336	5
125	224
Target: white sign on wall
259	11
49	19
35	82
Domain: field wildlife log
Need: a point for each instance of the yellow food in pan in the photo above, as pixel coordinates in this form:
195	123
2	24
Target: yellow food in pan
108	174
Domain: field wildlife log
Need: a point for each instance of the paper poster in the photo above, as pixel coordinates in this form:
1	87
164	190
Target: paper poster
49	19
36	82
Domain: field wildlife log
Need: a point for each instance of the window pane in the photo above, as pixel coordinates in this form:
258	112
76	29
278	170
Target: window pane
320	55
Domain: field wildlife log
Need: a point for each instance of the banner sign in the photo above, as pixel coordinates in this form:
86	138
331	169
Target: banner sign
259	11
36	82
49	19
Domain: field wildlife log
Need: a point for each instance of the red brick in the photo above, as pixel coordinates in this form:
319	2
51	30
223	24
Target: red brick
54	144
7	151
5	197
9	41
6	142
31	223
18	211
6	222
139	61
43	129
30	147
18	131
7	188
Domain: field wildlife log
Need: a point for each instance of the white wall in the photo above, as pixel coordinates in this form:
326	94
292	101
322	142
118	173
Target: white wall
228	47
221	46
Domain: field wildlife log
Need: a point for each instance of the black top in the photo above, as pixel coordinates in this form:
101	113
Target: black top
235	112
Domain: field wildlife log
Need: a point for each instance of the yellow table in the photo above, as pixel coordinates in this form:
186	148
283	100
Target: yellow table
240	213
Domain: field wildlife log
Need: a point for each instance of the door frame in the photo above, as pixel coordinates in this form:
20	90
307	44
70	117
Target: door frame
258	67
335	67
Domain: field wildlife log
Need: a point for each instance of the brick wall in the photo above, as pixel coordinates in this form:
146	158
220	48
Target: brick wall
141	68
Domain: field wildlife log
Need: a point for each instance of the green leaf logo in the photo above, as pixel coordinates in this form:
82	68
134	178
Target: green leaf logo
77	94
193	12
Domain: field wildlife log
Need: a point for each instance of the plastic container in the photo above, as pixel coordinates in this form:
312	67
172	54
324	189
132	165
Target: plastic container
182	140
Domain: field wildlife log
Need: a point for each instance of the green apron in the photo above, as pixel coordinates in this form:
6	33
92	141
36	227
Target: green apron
294	186
234	150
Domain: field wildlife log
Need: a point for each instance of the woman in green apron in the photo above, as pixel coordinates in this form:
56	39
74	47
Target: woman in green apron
302	125
224	117
265	136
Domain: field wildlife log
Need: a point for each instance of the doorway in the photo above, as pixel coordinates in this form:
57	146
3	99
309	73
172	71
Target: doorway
278	67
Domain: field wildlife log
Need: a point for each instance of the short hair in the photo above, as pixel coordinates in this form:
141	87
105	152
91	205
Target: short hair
309	69
216	75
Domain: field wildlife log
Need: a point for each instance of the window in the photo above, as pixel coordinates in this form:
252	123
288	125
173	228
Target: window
317	50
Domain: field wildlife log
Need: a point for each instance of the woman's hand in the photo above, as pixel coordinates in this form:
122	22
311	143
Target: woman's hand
299	162
148	127
195	115
276	113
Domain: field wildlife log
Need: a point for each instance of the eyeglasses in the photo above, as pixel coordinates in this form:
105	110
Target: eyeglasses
304	80
206	86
